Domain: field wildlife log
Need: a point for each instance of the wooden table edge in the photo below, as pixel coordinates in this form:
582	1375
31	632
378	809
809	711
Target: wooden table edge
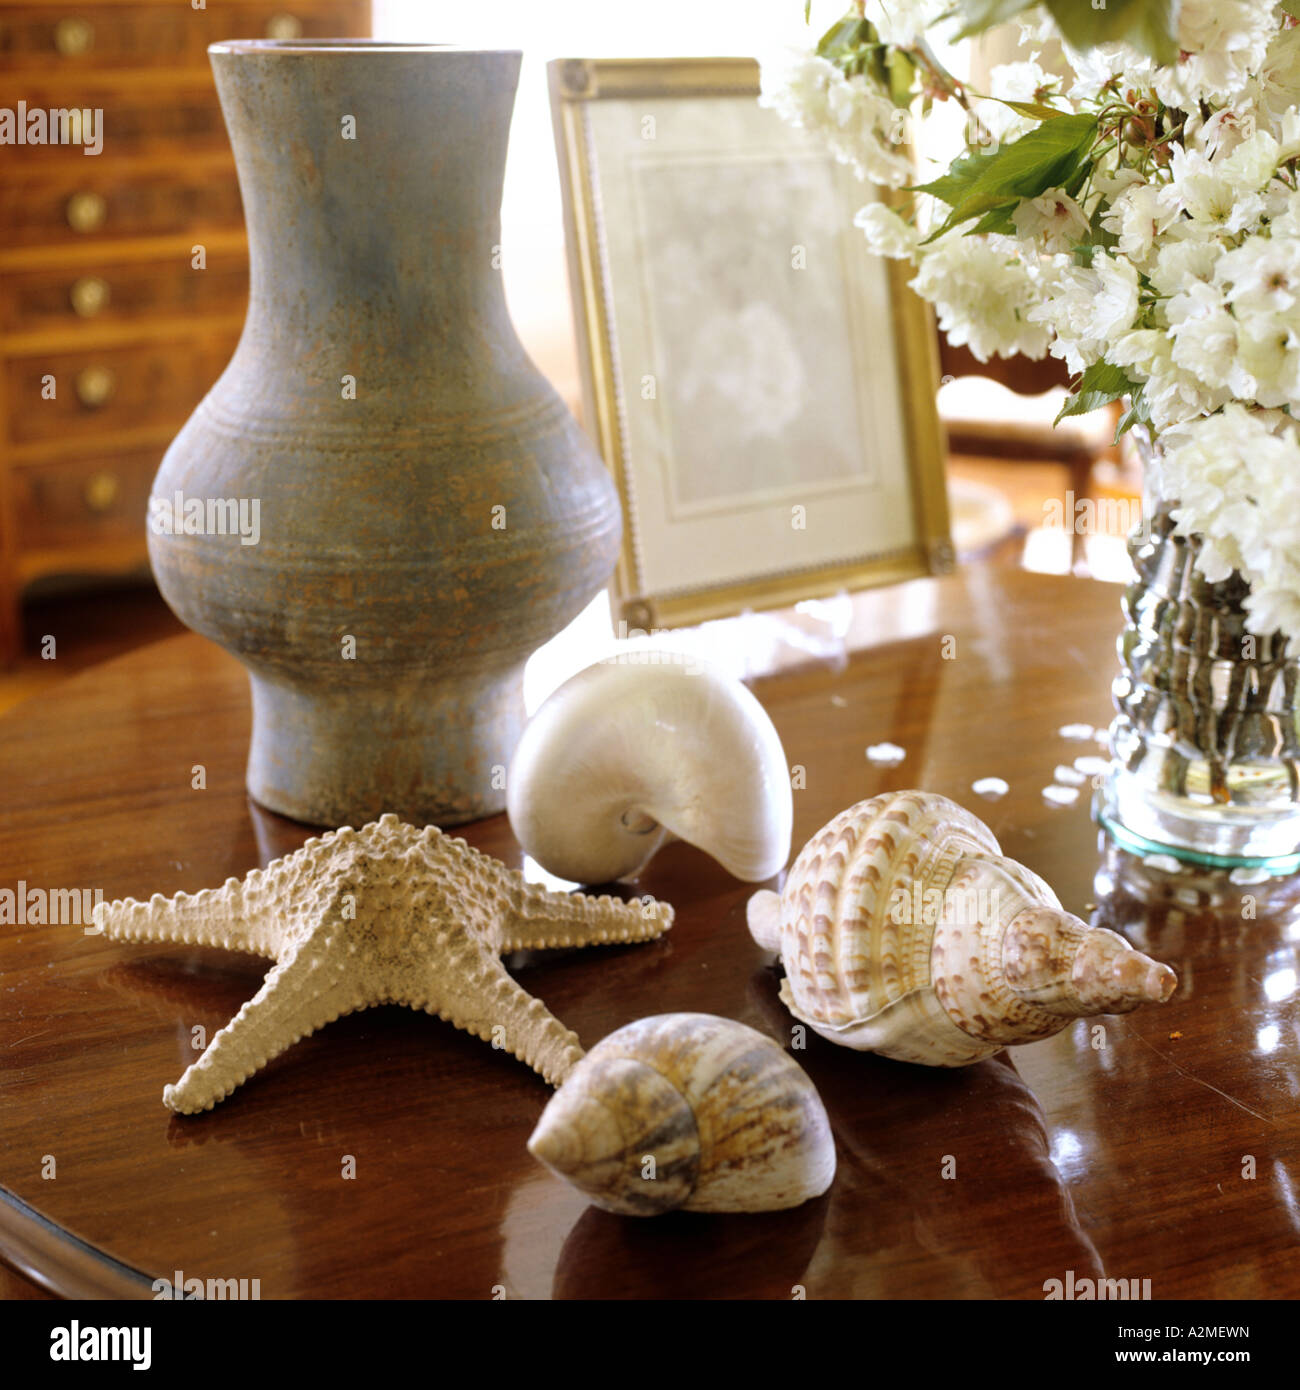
56	1260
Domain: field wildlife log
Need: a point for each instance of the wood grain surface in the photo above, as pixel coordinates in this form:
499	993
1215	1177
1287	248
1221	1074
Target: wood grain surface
1128	1160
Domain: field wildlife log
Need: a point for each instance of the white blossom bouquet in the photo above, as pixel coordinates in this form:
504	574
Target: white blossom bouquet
1140	220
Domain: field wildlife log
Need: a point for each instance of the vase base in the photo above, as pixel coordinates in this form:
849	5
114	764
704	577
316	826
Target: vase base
432	755
1147	823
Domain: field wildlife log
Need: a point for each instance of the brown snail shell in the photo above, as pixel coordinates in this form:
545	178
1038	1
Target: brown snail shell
905	931
688	1111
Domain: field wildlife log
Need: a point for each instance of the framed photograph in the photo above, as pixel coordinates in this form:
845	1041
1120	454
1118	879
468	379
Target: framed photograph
761	386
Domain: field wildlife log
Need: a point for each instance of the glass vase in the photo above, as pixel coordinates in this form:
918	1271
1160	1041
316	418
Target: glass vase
1206	756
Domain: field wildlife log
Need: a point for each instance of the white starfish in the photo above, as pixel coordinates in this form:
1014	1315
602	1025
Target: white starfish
385	915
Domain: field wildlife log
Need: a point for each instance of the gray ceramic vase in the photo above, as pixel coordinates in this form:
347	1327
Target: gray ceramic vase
427	511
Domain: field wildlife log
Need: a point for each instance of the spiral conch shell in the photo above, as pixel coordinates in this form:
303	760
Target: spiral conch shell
688	1111
623	756
904	931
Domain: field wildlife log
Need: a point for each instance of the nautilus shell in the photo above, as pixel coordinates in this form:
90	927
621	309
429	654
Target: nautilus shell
688	1111
624	756
904	930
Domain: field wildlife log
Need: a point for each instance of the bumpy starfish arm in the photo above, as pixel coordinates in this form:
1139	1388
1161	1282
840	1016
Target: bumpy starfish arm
298	996
485	1001
229	917
537	917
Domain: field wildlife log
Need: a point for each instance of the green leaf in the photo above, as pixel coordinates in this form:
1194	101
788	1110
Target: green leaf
1100	235
844	34
1149	25
901	72
1046	157
1138	413
978	15
1039	110
948	187
876	62
1292	7
997	219
807	11
1074	184
1099	385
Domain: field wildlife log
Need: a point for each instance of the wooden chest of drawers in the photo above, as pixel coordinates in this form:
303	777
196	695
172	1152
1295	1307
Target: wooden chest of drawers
112	322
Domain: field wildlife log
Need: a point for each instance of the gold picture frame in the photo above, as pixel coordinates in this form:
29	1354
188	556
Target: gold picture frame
650	589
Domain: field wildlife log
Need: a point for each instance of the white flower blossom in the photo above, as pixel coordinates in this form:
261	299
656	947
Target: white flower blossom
1268	348
859	123
1012	82
1277	87
1226	129
1262	275
1172	395
981	296
1288	134
1251	163
1053	219
1037	27
904	22
1172	253
1236	476
1087	306
1210	193
1284	220
1205	342
1096	67
1222	43
886	232
1139	216
1178	263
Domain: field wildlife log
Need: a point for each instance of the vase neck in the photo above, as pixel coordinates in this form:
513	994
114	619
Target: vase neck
371	181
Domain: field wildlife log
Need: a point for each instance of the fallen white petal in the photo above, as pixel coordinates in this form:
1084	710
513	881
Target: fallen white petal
1249	876
885	753
1061	796
1069	776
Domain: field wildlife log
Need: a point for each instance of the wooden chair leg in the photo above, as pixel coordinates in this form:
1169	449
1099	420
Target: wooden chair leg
11	627
1080	465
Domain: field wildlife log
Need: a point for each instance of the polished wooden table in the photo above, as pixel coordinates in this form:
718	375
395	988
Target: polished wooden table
1128	1161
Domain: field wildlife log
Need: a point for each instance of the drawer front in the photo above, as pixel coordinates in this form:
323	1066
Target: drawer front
135	122
112	390
98	292
72	38
321	19
70	505
71	210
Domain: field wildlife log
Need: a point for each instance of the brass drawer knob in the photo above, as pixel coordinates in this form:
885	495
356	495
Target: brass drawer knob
95	386
86	212
102	491
89	296
284	26
74	36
